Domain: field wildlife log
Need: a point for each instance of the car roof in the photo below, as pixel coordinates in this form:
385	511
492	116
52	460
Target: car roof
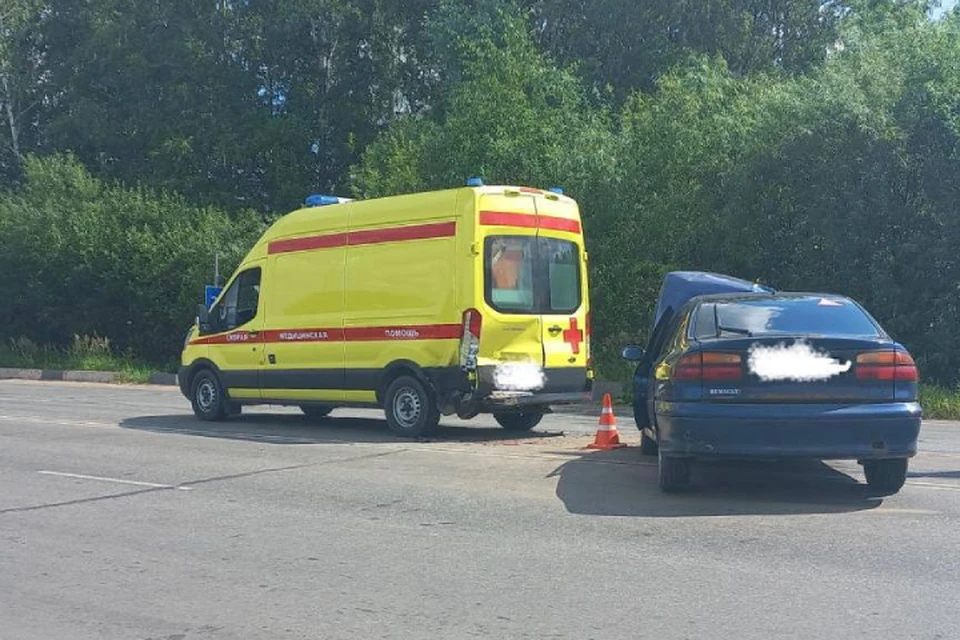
786	295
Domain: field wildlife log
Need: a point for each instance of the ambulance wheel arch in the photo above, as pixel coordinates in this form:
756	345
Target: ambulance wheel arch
410	405
188	387
207	394
401	368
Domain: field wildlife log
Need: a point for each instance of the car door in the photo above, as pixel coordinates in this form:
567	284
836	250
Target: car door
665	336
234	334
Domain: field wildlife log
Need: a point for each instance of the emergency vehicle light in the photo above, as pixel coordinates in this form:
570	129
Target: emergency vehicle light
474	181
556	190
323	200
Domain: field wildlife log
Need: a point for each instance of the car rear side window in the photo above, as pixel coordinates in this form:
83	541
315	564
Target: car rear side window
534	275
796	316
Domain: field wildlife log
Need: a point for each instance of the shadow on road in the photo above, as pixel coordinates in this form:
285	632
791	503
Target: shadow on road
295	429
624	483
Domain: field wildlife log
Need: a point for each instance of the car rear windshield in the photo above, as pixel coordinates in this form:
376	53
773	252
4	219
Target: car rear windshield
804	316
534	275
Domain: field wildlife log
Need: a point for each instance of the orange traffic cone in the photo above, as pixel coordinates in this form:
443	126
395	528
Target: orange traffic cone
607	435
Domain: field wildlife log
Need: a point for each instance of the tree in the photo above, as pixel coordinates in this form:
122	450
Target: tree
624	46
19	78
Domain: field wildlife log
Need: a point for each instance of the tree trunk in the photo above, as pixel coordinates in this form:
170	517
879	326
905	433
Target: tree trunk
11	117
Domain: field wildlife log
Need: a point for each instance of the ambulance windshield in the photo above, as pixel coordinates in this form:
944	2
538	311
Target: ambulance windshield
530	275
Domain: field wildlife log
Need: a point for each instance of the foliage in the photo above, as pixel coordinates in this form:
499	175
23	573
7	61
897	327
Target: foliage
81	257
85	353
940	403
813	144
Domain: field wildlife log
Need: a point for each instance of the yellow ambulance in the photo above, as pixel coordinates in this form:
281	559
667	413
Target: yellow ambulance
463	301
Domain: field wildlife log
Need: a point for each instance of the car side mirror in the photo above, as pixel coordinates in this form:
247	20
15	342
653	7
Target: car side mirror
633	353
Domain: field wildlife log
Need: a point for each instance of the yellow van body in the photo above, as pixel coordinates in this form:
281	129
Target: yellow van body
478	293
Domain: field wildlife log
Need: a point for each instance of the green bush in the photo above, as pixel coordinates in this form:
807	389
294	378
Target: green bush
83	258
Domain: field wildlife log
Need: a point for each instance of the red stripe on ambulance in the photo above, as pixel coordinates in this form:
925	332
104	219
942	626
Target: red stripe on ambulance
365	237
350	334
528	221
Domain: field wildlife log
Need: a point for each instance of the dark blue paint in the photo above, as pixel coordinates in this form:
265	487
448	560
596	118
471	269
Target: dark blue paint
863	420
822	431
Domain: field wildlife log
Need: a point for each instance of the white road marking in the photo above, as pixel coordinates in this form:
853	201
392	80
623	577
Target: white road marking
116	480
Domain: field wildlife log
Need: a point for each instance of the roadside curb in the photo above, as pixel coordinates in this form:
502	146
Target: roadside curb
103	377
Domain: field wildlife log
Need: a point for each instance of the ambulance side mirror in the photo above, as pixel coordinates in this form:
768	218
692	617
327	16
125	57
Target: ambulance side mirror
203	318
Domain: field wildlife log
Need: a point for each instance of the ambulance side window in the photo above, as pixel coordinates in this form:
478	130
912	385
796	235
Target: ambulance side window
239	303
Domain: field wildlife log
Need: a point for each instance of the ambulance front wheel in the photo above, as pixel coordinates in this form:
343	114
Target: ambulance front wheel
207	397
519	420
410	407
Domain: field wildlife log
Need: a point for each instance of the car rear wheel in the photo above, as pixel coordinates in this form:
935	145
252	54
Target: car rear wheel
886	476
207	397
519	420
410	408
315	411
673	474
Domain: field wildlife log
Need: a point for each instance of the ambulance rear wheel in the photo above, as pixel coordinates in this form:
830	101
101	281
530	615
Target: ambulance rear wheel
519	420
410	407
207	397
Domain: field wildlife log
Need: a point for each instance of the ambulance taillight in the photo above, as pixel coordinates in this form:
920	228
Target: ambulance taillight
470	340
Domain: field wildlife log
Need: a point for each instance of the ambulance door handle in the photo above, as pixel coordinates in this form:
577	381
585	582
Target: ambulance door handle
555	330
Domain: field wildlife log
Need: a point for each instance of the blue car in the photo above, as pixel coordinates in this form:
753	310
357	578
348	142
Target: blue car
734	369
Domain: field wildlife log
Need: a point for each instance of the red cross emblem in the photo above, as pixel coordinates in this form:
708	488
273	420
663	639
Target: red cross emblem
574	336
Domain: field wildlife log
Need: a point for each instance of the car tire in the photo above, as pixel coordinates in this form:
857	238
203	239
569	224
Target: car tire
519	420
673	474
886	476
410	408
315	411
638	417
207	397
648	446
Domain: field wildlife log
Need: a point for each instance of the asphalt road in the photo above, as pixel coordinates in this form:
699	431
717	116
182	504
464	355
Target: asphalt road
121	517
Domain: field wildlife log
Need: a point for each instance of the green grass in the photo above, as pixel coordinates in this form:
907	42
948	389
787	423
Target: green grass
85	353
940	403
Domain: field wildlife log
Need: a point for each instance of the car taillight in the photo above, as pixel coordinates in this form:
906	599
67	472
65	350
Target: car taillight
709	366
886	366
470	340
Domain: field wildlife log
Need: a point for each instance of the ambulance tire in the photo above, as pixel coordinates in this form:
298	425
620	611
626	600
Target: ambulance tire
410	408
519	420
207	396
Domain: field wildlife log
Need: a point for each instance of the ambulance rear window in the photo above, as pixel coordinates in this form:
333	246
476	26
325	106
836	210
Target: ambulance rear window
531	275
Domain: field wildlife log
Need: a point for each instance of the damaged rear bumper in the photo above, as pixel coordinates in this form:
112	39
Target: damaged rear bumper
508	399
562	386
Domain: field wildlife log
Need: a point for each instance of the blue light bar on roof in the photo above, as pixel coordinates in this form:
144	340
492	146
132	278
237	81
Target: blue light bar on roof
556	190
320	200
474	181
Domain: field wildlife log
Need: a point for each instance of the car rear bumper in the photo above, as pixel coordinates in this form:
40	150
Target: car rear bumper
819	431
